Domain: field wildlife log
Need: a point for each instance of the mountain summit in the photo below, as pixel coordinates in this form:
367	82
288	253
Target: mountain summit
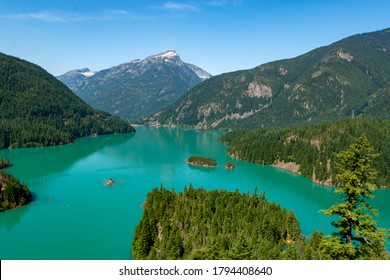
165	55
138	88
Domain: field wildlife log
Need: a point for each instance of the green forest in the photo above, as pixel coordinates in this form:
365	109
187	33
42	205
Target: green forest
197	224
202	161
12	192
38	110
313	147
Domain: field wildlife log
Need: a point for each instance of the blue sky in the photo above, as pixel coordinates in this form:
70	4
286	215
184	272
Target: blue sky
217	35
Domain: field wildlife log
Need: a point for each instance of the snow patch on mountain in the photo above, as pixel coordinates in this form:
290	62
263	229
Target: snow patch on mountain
89	73
202	74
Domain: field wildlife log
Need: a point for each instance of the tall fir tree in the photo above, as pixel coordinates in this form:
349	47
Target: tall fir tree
358	236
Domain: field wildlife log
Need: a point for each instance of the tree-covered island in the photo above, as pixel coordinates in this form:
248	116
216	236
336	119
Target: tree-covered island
202	161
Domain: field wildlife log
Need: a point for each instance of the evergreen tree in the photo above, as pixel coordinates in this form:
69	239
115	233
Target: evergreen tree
241	251
358	236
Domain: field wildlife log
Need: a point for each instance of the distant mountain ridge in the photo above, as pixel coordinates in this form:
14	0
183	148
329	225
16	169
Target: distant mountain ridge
38	110
138	88
348	78
75	78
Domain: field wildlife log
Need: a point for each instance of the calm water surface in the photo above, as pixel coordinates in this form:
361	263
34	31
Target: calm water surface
74	216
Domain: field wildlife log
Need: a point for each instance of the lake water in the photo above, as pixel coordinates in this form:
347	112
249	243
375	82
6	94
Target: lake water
74	216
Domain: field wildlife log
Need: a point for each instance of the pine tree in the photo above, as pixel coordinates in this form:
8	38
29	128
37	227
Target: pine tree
358	236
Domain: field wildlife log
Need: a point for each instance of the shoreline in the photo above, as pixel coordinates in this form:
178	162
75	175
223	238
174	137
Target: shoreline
204	165
294	168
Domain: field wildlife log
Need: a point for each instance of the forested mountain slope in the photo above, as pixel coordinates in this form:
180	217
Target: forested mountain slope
38	110
348	78
312	148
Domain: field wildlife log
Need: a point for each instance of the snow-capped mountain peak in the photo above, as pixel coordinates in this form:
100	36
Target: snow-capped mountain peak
137	88
164	55
169	53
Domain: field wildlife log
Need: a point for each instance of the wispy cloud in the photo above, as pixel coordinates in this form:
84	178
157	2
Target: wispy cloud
218	3
49	16
225	2
175	6
40	16
64	17
118	12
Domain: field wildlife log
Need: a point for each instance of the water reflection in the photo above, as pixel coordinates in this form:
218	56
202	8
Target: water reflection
34	163
13	217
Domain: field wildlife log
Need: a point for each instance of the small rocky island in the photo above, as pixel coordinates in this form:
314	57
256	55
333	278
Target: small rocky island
109	182
202	161
230	165
4	163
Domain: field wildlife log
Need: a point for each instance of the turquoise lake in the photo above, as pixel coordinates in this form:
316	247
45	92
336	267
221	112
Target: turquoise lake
75	216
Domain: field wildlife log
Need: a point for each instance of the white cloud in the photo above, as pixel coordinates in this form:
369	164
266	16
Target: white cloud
118	12
48	16
174	6
41	16
225	2
63	17
218	2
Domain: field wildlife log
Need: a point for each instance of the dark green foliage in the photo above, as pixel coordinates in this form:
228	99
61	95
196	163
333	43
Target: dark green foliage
200	224
306	249
202	161
358	236
38	110
348	78
313	147
4	163
12	192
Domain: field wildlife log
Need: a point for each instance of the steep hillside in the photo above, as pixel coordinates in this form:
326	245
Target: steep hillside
310	149
36	109
138	88
348	78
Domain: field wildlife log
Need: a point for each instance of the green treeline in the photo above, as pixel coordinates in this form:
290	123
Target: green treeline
38	110
12	192
200	224
202	161
313	147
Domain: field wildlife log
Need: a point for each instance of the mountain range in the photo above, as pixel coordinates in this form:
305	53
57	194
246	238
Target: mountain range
38	110
347	79
136	89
